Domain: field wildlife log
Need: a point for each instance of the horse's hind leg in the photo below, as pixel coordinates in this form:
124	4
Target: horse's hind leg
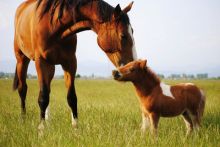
188	122
45	74
69	75
20	77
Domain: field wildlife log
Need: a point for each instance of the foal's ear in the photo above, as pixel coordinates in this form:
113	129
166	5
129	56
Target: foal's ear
128	8
117	11
143	64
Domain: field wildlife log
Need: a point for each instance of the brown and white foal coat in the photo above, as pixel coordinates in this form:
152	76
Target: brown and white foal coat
158	99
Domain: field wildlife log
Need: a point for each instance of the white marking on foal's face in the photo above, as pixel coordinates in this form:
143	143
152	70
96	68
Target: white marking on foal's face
166	90
133	46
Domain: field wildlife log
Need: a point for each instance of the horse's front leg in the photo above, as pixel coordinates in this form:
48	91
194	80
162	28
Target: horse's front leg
69	76
45	74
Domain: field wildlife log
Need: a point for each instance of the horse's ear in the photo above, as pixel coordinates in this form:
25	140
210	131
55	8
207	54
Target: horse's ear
143	64
117	11
128	8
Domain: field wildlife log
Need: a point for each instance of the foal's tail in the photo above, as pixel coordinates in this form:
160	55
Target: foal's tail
201	105
15	83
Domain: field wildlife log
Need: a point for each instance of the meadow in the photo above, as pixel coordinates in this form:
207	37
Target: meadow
109	115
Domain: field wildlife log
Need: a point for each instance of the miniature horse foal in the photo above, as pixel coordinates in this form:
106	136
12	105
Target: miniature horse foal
158	99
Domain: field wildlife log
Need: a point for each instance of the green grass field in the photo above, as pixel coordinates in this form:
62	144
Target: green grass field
109	115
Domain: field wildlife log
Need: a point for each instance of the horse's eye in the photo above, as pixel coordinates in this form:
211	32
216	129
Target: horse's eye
123	36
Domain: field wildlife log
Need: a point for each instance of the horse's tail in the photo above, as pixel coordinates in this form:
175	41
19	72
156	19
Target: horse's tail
15	83
202	104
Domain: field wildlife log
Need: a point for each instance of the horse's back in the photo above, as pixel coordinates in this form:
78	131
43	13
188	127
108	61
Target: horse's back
22	8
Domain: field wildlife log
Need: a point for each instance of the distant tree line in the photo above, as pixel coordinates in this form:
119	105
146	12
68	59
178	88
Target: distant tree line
4	75
186	76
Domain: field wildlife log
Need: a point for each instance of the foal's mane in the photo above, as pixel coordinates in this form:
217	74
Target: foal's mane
152	75
104	9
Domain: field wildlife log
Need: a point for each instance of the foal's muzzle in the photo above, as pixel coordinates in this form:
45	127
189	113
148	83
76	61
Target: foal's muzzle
116	74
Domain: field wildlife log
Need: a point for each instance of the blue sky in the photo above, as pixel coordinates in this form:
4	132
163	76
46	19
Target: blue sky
175	36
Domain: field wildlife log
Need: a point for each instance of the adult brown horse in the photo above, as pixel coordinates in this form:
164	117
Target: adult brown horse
45	31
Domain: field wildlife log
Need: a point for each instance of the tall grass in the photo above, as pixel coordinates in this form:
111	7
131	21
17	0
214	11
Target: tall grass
109	115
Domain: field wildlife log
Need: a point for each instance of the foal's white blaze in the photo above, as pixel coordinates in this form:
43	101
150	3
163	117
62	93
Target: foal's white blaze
133	46
74	121
166	90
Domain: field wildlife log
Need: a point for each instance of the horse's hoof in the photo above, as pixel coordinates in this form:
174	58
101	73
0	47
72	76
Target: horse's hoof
41	128
75	123
23	115
23	118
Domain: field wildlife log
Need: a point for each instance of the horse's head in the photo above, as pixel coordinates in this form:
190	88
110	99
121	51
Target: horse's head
112	25
115	37
131	71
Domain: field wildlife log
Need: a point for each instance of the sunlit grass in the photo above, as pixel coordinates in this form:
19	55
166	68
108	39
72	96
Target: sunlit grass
109	115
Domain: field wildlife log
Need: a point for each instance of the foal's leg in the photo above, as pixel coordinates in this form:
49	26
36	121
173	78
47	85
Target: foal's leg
154	120
45	74
188	122
195	119
20	77
69	76
145	122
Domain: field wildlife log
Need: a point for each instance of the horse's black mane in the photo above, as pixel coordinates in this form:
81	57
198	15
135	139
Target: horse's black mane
53	4
105	10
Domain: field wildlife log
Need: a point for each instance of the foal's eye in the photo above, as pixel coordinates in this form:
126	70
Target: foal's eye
132	69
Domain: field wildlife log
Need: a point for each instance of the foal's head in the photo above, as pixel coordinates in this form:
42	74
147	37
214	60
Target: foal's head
133	71
115	37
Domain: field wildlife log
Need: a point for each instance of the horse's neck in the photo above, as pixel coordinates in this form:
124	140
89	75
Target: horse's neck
145	86
96	11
